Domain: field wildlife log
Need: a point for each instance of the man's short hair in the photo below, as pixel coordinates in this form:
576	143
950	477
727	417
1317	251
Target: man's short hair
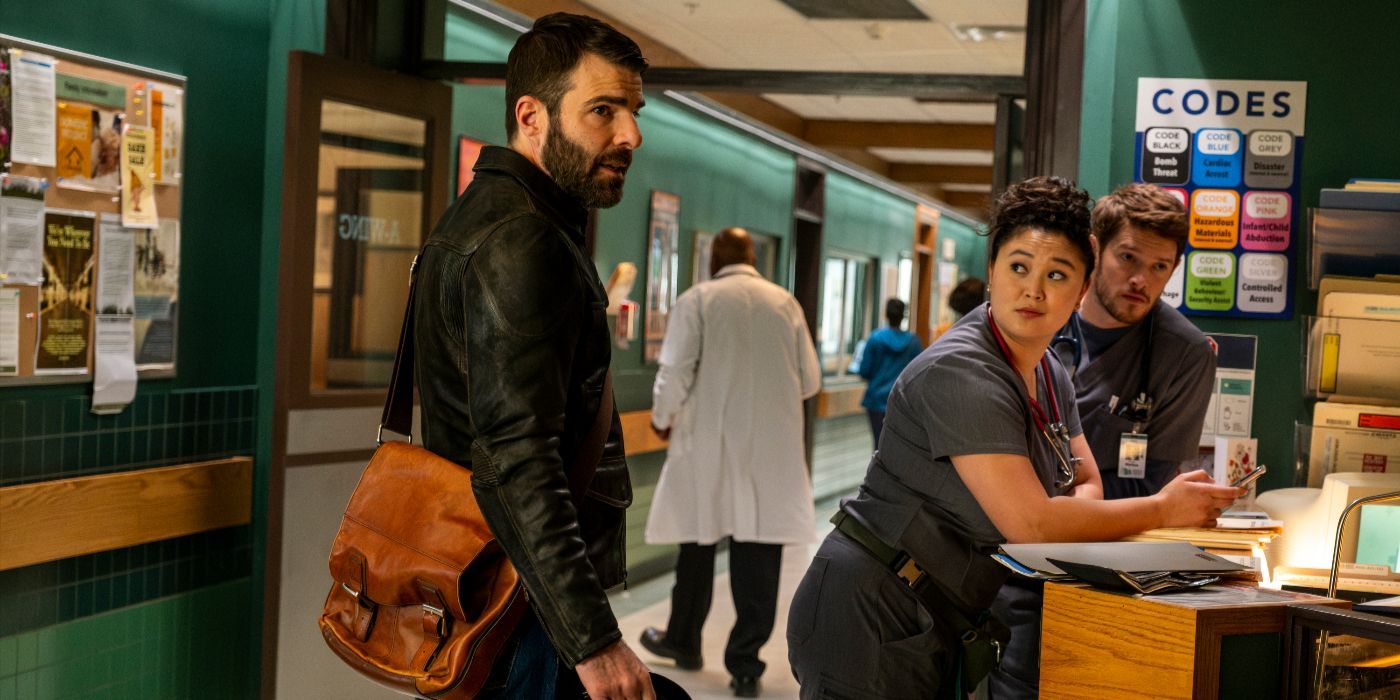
1145	207
894	311
968	295
542	58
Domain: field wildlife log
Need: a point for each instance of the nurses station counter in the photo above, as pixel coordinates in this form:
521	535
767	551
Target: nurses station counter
1224	641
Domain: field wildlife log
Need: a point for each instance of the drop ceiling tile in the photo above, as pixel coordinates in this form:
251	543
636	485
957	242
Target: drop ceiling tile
940	156
958	113
966	187
858	108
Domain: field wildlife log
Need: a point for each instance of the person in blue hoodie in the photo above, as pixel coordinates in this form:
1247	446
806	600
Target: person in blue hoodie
886	353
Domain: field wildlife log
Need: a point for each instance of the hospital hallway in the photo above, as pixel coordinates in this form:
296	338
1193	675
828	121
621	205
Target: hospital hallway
649	604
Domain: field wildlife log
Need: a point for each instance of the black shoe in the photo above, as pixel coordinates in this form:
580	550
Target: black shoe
654	641
745	686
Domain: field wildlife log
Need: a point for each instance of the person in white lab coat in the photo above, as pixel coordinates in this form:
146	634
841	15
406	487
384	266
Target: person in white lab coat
736	364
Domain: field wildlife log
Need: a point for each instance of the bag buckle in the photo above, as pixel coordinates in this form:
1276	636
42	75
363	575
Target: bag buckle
441	615
353	593
910	572
379	437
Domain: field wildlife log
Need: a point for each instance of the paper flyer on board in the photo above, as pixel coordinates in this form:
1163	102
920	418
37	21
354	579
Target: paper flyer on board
138	181
9	332
90	118
116	264
169	106
157	294
114	341
32	108
113	364
65	300
6	128
21	230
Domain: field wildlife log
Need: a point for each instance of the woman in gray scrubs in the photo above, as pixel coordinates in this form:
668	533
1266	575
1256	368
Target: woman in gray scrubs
982	445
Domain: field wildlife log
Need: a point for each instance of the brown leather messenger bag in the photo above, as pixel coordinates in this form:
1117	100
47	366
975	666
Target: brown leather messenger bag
423	599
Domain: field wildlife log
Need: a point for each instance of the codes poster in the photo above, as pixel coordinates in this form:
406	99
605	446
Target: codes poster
1231	151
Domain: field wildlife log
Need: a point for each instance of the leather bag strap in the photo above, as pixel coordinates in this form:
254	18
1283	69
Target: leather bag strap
398	405
590	452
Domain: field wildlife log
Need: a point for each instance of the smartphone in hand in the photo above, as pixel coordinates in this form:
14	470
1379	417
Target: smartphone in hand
1250	478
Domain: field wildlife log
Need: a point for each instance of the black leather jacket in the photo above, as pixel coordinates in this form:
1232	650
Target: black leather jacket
512	352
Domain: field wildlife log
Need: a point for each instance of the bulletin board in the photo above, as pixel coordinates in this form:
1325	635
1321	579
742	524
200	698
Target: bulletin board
91	169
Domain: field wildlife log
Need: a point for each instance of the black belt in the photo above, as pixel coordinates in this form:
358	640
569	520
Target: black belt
896	560
982	641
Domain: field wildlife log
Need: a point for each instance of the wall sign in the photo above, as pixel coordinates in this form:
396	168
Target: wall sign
1231	151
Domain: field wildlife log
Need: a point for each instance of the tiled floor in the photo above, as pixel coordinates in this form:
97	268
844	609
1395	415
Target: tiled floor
713	681
649	605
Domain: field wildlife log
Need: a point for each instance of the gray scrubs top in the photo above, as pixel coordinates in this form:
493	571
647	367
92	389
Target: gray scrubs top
1182	378
958	397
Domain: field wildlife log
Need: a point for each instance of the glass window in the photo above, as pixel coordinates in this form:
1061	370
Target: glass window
846	318
905	286
371	184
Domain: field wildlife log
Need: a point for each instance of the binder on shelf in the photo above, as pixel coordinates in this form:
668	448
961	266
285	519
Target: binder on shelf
1353	357
1373	183
1354	242
1369	200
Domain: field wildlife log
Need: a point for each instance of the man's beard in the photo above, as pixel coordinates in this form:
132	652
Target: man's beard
1115	306
580	176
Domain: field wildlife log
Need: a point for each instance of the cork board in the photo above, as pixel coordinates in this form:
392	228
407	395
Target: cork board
101	108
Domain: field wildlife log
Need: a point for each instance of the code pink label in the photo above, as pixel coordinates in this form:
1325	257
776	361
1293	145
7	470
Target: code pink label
1266	223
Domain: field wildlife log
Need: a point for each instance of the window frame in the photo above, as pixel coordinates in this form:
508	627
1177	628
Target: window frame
863	308
312	81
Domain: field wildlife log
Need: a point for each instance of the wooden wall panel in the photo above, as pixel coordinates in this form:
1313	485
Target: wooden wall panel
840	401
637	436
64	518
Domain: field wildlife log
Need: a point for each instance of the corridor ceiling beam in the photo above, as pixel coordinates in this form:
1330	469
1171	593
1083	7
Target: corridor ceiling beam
934	173
929	87
872	134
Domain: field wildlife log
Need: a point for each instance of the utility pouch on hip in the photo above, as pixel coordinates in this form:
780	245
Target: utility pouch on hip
981	649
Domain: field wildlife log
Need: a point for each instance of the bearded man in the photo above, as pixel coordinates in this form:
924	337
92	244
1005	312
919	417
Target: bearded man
513	350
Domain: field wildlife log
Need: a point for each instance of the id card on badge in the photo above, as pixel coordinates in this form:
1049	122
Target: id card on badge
1132	456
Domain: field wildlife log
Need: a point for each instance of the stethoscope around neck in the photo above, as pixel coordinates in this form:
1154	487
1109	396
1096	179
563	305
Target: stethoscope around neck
1055	432
1138	408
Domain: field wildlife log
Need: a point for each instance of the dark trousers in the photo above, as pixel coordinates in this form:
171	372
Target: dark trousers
1018	605
856	632
753	581
529	668
877	424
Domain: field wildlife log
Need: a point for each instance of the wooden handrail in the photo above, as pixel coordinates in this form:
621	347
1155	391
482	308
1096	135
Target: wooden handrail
52	520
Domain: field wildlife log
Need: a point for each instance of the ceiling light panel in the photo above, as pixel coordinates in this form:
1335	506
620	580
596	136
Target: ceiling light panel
856	9
933	156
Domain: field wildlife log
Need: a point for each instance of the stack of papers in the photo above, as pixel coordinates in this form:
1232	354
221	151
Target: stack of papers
1137	567
1144	583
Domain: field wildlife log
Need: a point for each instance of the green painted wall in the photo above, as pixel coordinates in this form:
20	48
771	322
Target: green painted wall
1349	130
969	249
223	48
295	25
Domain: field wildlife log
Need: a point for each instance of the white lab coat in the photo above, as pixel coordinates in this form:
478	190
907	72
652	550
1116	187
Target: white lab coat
736	364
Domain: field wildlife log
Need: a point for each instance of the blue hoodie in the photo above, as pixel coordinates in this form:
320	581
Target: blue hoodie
886	354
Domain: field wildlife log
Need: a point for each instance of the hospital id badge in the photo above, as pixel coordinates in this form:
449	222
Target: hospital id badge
1132	456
